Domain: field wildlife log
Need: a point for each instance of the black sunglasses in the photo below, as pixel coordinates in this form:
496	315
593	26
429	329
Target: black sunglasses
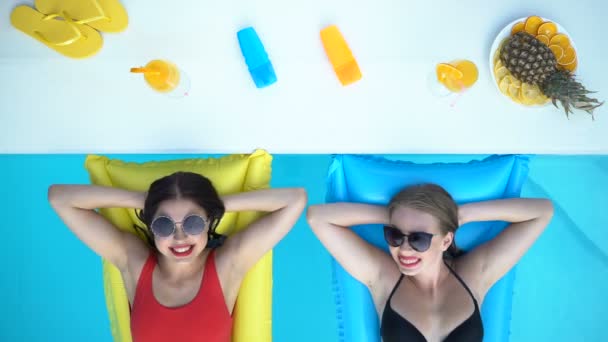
164	226
419	241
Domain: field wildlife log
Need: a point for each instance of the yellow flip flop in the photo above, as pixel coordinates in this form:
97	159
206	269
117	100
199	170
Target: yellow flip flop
103	15
63	36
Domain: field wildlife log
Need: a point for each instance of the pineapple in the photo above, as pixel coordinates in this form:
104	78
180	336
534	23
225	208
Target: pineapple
532	62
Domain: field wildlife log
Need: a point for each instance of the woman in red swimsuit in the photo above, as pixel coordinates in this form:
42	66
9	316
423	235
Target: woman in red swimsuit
183	285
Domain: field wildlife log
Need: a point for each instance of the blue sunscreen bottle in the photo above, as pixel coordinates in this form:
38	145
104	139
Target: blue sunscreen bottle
256	58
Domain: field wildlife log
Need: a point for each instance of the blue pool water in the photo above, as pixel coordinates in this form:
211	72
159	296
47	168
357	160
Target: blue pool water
51	284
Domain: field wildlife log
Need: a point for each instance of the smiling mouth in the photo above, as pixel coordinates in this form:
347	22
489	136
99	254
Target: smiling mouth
182	251
409	262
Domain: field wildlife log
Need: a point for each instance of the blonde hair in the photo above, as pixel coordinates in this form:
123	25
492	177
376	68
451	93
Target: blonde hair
434	200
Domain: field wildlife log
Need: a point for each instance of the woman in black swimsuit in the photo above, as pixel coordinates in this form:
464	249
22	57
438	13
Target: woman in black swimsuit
426	289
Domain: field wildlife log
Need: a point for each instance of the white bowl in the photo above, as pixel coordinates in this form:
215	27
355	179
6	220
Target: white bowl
504	33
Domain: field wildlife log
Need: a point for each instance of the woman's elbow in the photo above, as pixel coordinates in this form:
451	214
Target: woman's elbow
312	215
548	208
301	195
54	194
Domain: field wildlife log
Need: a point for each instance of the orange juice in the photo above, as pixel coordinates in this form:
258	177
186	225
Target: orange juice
162	76
457	75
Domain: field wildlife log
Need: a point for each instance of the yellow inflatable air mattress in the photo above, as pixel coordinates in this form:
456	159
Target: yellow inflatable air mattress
229	174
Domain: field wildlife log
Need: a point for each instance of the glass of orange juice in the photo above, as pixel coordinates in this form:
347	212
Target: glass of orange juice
453	79
165	77
458	75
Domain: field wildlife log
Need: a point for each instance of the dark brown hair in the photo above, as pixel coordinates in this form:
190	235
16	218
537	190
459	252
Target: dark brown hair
434	200
184	185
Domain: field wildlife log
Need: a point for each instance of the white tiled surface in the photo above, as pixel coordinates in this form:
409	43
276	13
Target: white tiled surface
49	103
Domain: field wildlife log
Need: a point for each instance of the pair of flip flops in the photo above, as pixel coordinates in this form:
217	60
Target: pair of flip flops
71	27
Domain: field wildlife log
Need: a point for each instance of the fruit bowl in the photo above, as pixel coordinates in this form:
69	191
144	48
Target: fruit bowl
512	88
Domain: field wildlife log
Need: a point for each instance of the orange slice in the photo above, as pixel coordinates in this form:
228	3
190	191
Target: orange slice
561	40
450	77
532	24
446	71
568	57
558	51
570	67
544	39
548	29
518	27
